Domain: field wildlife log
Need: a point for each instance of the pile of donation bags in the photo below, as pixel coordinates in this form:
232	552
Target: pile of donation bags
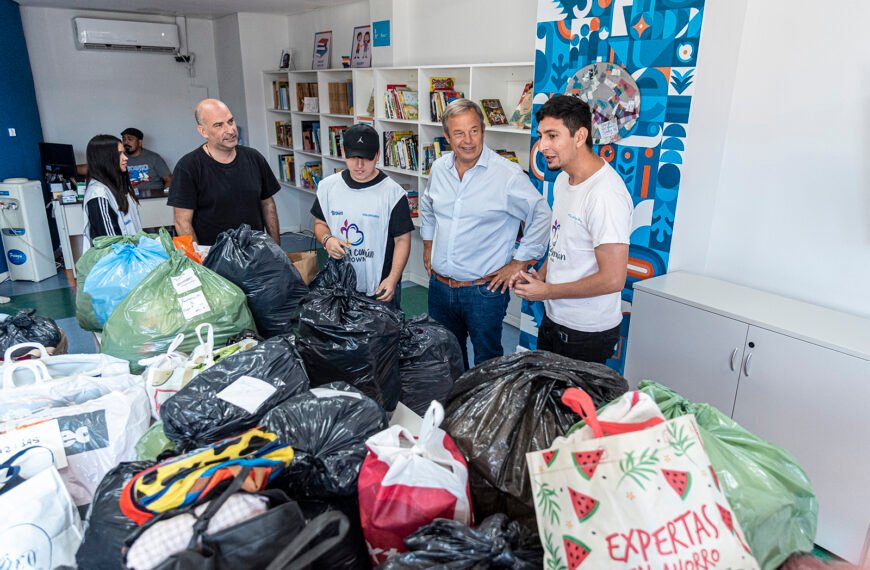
213	443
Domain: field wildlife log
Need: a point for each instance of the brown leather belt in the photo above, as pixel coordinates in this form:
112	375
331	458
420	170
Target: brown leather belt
453	283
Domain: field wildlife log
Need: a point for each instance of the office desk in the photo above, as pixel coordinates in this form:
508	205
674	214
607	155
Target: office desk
71	224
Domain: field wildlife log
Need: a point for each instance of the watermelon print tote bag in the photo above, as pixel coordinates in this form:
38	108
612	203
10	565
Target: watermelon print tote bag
639	496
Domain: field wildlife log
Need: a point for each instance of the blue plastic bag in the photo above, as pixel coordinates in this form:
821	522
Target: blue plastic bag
116	274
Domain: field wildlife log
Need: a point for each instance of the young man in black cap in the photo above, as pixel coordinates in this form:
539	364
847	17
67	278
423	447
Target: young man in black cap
147	169
364	217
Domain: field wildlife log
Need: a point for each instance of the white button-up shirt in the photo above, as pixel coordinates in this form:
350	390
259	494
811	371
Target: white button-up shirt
473	222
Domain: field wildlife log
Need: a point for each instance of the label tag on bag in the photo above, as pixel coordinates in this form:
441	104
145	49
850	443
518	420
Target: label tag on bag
193	305
45	434
248	393
330	393
185	281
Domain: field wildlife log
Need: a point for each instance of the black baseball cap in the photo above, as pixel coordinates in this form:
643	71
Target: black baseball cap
133	131
361	141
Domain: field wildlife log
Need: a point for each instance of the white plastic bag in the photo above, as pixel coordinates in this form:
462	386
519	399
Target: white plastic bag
40	527
407	482
168	373
63	365
99	421
39	390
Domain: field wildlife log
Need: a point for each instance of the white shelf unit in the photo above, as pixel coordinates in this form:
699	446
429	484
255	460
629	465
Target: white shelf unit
503	81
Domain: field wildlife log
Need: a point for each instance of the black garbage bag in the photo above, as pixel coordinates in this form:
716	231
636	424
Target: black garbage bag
509	406
245	334
106	527
497	542
430	360
27	326
232	396
352	554
327	427
260	268
345	336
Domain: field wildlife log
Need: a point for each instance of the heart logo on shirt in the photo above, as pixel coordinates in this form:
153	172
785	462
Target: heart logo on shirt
352	234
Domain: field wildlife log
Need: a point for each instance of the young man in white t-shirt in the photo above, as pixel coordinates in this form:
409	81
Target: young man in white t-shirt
363	216
581	280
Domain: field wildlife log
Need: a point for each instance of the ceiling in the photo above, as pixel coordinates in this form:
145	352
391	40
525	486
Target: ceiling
196	8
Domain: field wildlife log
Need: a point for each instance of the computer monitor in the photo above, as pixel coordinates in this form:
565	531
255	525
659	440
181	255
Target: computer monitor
58	158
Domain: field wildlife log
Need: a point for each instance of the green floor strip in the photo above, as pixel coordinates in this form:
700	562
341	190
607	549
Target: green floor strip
55	304
415	300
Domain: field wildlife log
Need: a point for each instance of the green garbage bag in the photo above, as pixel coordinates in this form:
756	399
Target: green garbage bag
174	298
101	247
767	489
152	443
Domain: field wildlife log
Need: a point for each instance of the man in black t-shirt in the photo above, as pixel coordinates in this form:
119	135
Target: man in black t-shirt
222	185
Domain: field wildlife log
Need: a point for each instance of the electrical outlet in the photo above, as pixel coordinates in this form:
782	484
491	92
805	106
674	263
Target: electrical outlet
12	132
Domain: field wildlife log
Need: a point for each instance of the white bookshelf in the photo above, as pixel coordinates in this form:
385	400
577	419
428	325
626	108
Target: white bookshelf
503	81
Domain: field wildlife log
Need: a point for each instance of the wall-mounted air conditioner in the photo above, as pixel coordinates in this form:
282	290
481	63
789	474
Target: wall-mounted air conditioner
126	35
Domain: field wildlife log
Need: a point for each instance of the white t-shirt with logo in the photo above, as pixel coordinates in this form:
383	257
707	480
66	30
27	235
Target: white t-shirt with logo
360	218
594	212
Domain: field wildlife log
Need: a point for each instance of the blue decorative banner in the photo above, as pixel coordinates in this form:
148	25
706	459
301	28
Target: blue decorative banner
656	41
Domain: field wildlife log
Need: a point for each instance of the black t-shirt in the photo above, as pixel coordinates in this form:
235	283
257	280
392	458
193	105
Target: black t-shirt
400	218
222	196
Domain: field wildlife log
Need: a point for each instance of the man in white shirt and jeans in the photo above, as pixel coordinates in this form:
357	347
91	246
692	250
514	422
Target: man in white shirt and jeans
581	280
471	212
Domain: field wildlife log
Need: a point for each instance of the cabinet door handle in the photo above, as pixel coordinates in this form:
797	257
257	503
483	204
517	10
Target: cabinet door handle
731	360
746	364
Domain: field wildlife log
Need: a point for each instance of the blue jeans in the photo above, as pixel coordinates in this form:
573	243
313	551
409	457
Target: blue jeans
470	312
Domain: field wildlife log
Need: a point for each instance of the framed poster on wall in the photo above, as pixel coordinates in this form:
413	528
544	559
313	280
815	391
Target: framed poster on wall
322	50
361	56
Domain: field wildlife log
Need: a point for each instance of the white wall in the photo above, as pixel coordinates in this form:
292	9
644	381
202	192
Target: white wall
792	211
262	37
84	93
464	31
231	81
340	19
710	113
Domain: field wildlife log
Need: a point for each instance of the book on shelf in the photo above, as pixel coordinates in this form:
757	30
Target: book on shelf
522	116
311	136
283	134
438	101
286	168
442	83
441	146
281	95
413	201
508	154
341	98
428	158
304	90
400	150
311	105
493	112
400	102
312	173
336	141
370	108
